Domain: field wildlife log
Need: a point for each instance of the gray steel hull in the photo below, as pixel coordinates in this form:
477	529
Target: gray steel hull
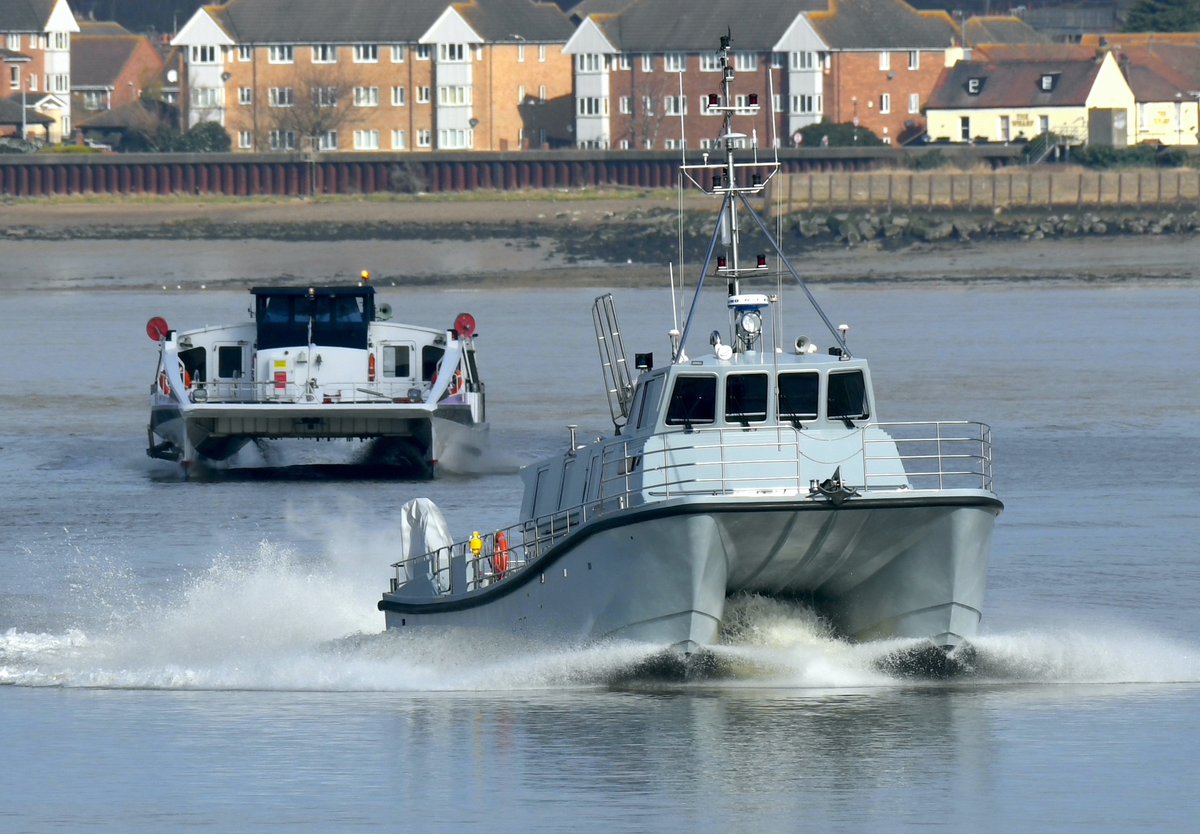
906	567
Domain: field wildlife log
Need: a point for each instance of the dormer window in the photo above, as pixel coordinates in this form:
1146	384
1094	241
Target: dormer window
975	86
1048	81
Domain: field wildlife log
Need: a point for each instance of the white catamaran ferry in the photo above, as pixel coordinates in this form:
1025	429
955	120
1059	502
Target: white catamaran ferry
760	468
319	363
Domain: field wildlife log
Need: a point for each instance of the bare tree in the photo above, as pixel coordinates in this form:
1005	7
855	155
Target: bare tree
649	108
320	101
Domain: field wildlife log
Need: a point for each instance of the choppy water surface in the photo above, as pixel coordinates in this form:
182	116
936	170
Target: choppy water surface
209	654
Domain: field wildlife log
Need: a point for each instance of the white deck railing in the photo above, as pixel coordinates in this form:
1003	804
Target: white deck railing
895	457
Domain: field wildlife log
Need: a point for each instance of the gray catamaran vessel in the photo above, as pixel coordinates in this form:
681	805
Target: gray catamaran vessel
760	468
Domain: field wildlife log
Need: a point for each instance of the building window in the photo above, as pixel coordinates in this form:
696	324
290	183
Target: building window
1005	130
399	141
399	53
1048	81
325	96
541	92
623	144
777	103
279	96
366	97
204	54
593	106
964	128
804	104
974	86
245	95
62	41
32	82
14	77
745	61
281	55
675	105
245	54
710	62
456	139
914	60
203	97
885	103
366	140
328	141
366	53
398	99
14	43
542	53
423	51
423	95
92	99
521	94
282	140
885	60
454	96
623	62
675	62
590	62
424	138
452	53
647	63
324	53
914	102
804	60
647	105
245	142
520	53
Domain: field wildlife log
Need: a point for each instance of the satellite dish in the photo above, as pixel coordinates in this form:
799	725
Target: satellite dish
157	329
385	311
172	76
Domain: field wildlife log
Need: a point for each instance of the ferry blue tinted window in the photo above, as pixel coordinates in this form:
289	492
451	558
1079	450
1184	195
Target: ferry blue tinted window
430	357
798	396
745	398
847	396
693	400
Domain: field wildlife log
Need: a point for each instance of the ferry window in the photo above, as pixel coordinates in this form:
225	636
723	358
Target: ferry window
430	357
798	395
648	409
847	396
229	361
745	398
194	361
693	400
396	361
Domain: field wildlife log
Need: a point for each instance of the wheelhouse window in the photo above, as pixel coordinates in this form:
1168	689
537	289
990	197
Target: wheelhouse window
846	398
798	397
430	358
646	406
745	398
693	400
229	361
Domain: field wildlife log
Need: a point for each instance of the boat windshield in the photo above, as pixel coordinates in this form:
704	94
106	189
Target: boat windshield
329	317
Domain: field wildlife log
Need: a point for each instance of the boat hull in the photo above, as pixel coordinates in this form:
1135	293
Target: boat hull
876	569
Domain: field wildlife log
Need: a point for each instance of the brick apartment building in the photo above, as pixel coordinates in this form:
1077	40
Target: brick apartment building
35	39
377	75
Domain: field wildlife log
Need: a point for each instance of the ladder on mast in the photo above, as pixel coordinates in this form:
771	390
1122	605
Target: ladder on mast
618	382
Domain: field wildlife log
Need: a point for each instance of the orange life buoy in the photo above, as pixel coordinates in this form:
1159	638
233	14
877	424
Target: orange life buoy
164	384
500	555
456	384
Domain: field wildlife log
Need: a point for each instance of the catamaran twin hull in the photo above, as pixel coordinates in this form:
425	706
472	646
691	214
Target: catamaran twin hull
912	566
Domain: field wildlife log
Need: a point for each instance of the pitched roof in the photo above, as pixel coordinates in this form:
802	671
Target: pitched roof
1161	71
101	27
1015	84
97	61
25	15
695	26
1000	30
384	21
10	113
883	24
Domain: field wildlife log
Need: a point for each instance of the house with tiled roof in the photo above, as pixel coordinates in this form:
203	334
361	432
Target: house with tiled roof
110	67
1000	29
642	74
41	31
379	75
1002	101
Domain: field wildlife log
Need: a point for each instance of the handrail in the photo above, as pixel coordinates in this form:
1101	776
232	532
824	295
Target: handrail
895	457
358	392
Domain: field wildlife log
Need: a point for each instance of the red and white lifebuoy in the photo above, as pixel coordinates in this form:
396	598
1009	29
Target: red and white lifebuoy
164	384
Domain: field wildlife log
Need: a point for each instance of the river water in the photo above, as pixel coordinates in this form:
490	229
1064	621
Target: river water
208	654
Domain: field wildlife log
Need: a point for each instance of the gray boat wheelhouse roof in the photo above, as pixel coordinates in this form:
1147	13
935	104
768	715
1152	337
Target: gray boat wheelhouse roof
386	21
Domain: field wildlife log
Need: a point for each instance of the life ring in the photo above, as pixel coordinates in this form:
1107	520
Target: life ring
456	384
164	384
500	559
